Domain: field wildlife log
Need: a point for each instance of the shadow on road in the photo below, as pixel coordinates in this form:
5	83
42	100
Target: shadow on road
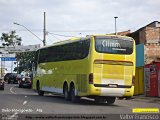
60	100
52	98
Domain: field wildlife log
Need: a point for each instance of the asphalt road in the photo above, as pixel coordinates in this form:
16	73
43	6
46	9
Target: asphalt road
16	100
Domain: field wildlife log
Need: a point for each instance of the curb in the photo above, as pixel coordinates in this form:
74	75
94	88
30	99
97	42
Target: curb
146	99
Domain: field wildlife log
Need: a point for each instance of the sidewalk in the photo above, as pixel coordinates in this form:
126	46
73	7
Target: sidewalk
146	99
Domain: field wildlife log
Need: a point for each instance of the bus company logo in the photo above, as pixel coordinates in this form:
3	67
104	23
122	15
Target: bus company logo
107	43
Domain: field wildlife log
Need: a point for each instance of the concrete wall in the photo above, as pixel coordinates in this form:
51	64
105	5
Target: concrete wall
150	37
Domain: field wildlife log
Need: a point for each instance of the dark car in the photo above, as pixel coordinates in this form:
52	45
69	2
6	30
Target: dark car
6	77
25	82
1	84
12	78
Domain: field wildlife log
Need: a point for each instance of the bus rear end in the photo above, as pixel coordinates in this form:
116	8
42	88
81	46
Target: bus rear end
113	66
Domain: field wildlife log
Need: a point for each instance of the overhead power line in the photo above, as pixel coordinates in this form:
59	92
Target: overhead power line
60	35
54	36
52	31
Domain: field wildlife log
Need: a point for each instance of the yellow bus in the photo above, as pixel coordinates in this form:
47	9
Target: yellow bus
101	67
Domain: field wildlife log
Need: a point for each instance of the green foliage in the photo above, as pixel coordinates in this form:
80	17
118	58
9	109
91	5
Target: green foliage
25	60
10	39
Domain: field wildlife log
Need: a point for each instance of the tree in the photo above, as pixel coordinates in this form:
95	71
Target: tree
25	60
10	39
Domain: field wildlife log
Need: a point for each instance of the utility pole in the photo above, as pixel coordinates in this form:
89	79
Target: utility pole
2	65
1	68
44	30
115	25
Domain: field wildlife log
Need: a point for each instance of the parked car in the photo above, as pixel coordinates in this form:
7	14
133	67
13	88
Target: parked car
19	77
6	77
25	82
1	84
12	78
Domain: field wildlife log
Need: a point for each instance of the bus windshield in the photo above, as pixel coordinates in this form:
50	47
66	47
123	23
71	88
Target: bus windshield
114	45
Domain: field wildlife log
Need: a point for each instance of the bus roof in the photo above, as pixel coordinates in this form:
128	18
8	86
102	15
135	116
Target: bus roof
82	38
64	42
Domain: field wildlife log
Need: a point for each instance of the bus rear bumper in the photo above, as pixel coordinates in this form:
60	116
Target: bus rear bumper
115	92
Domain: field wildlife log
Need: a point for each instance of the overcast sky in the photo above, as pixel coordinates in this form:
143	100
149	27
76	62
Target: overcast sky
75	17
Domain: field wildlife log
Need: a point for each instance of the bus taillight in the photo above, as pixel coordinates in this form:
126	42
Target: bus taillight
91	78
133	78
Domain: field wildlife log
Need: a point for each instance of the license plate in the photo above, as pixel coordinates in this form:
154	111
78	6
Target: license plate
113	85
25	84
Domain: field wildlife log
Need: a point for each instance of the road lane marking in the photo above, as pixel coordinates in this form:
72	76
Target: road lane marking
12	116
25	102
12	90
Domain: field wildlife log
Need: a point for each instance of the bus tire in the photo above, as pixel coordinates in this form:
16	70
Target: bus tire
40	93
111	100
100	100
65	91
74	98
121	98
128	98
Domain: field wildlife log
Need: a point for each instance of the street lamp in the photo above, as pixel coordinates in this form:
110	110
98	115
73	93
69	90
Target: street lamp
115	25
30	32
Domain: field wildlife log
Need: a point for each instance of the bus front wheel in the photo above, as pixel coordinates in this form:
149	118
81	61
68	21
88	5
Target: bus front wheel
40	93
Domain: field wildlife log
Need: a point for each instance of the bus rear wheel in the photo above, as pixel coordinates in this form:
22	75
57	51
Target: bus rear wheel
100	100
74	98
111	100
40	93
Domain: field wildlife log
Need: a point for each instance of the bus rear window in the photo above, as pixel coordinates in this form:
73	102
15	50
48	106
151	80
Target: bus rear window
114	45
